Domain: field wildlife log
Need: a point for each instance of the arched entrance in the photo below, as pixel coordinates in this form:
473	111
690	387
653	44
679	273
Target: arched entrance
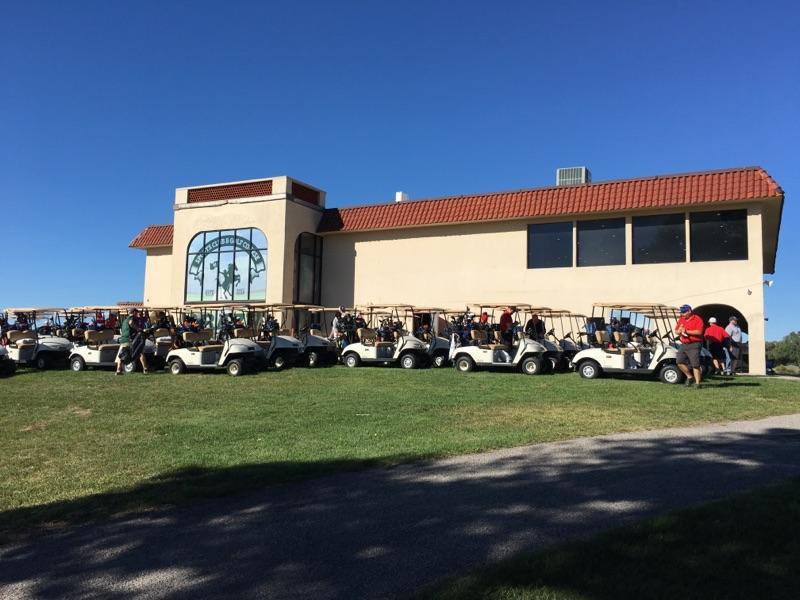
723	312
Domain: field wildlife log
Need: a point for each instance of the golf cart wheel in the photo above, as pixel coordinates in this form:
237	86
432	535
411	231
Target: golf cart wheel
177	367
553	367
464	364
313	359
76	364
7	368
532	365
352	360
131	367
235	367
439	360
589	369
408	361
278	362
42	361
670	374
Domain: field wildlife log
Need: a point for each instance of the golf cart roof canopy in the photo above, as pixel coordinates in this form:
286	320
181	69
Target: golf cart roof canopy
427	309
517	305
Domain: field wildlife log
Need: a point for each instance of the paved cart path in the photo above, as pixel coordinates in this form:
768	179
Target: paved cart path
385	532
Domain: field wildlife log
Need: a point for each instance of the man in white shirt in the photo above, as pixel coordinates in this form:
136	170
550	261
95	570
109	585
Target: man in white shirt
734	349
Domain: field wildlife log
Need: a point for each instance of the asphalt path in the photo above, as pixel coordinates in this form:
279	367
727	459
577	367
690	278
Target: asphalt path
385	532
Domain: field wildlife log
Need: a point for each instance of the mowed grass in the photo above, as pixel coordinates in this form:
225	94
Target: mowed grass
740	548
79	446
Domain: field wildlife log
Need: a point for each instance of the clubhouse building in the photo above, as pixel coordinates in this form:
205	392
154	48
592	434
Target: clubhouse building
705	239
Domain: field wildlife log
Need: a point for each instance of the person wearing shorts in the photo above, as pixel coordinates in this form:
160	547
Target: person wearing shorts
715	338
690	329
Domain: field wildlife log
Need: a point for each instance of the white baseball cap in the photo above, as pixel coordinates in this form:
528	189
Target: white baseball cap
712	320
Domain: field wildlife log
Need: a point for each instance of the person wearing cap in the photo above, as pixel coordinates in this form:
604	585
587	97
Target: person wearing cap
690	329
734	347
130	327
507	324
715	338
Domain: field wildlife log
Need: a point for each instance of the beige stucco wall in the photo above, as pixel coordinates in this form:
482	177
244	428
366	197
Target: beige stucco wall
449	266
158	277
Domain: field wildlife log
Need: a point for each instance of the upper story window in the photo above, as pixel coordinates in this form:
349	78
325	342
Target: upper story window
659	239
719	235
308	269
227	265
601	242
550	245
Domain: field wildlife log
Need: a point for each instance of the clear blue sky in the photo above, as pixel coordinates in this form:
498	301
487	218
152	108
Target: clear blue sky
106	107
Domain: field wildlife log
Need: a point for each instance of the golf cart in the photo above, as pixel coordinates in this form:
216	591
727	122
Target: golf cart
26	346
630	343
487	349
554	355
386	340
316	346
565	332
432	327
200	352
281	348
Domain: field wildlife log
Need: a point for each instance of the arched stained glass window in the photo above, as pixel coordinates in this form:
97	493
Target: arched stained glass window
228	265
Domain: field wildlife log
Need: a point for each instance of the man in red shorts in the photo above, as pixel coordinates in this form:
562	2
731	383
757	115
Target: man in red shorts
690	328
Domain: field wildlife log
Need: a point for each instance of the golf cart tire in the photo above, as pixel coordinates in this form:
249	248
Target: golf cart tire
236	367
76	363
670	374
42	362
532	365
552	364
409	361
351	360
177	366
8	368
464	364
131	367
278	361
589	369
439	360
313	359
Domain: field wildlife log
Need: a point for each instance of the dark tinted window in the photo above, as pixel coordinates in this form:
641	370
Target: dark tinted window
308	268
659	239
550	245
601	242
719	235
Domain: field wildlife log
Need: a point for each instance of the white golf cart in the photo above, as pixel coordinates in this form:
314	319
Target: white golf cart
388	342
563	329
30	348
433	328
634	343
483	352
235	355
317	348
281	348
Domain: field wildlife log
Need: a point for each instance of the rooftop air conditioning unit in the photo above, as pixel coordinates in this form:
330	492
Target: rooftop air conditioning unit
400	197
573	176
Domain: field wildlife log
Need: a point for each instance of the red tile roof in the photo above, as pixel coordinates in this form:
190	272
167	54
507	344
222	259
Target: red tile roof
687	189
153	237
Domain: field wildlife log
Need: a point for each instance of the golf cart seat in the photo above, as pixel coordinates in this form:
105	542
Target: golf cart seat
77	333
198	339
284	332
243	332
317	332
23	339
482	338
100	340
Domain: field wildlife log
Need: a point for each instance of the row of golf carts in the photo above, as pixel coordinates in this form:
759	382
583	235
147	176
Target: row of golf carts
618	338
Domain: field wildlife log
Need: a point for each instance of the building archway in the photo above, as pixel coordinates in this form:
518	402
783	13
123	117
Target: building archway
722	312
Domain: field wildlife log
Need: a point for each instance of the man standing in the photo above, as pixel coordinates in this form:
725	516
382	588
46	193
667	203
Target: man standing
130	327
715	336
690	329
735	333
507	324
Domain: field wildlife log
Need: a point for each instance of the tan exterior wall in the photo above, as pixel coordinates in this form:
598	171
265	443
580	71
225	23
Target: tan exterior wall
450	266
158	277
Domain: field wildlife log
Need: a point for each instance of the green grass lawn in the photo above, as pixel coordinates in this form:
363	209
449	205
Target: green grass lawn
740	548
78	446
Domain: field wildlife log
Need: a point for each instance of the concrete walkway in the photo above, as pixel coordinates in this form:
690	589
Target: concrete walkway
385	532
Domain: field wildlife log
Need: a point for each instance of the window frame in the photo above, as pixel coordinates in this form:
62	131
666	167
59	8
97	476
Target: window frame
693	249
682	219
530	234
622	221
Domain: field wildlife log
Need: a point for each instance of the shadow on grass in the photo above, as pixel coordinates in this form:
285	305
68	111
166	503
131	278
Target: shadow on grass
388	531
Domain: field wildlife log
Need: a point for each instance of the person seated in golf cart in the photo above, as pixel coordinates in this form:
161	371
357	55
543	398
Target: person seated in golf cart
535	327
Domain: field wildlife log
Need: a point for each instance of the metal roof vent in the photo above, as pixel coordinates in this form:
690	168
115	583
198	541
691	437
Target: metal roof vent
573	176
400	197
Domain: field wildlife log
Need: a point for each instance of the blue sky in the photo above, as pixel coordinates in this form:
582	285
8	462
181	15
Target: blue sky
106	107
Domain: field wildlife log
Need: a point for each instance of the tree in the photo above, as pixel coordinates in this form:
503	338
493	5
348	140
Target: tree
786	351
